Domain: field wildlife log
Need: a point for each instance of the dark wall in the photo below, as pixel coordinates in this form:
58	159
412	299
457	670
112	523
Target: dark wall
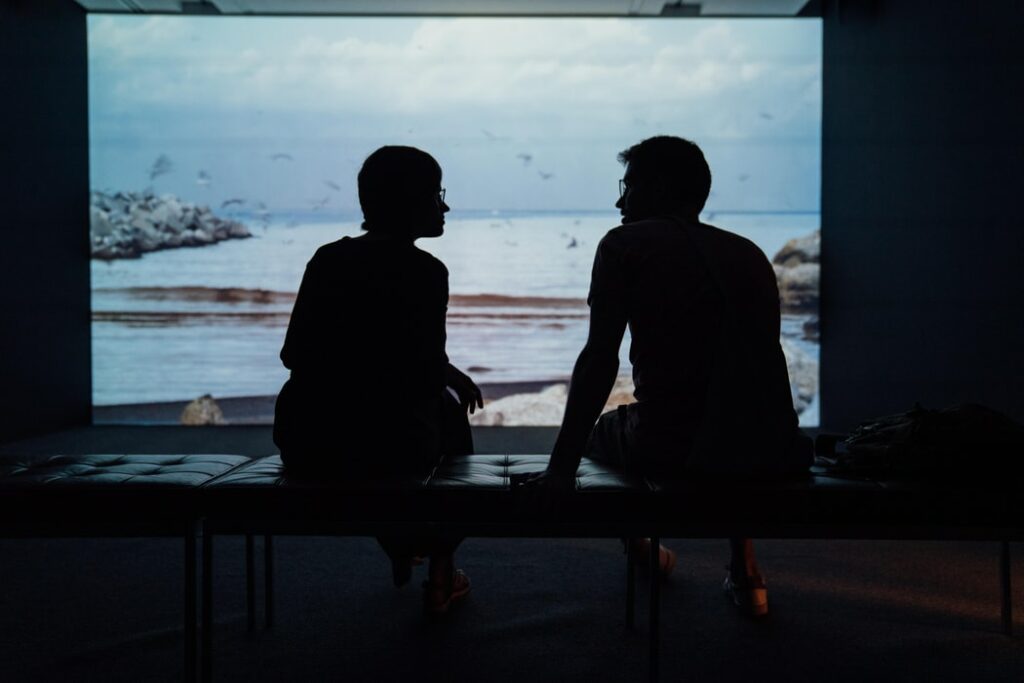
923	174
44	248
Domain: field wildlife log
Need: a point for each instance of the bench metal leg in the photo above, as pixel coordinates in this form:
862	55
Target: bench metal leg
268	579
1006	610
655	599
250	582
206	655
190	602
630	585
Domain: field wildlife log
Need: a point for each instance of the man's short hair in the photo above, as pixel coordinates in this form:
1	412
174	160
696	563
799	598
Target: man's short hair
676	160
390	177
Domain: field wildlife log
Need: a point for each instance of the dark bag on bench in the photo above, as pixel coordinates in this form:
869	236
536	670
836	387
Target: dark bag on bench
965	441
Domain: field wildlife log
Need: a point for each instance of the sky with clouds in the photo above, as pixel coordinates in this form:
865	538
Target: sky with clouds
523	114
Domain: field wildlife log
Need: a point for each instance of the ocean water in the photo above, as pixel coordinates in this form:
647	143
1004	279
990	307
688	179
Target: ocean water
176	324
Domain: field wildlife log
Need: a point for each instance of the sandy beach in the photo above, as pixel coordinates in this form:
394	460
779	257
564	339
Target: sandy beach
259	410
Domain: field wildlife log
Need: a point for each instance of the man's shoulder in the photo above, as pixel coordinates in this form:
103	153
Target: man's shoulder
636	231
732	242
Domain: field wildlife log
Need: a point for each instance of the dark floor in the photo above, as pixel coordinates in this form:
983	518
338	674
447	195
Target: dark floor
541	610
110	610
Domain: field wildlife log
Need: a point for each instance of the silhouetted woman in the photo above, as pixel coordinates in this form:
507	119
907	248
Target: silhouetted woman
367	395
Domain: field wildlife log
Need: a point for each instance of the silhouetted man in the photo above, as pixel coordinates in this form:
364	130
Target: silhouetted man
702	305
366	349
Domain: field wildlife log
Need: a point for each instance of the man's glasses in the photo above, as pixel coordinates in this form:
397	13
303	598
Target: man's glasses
623	186
440	195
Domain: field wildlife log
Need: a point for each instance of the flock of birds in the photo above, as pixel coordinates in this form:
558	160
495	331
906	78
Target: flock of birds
163	165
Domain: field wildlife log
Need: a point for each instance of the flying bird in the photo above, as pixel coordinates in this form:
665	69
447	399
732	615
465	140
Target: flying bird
320	203
281	156
545	176
161	166
527	158
333	185
491	136
744	177
234	200
573	244
203	179
766	116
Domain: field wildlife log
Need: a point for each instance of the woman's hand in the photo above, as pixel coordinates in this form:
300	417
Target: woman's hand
465	388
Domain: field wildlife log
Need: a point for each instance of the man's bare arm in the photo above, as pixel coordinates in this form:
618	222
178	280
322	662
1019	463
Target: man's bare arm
592	380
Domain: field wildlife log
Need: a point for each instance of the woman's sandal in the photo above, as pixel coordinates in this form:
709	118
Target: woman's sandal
642	556
438	599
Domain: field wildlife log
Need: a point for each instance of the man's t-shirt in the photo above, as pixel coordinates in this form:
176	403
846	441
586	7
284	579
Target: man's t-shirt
703	311
365	346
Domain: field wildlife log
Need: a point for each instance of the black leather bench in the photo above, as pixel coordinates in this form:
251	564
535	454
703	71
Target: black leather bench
96	496
208	495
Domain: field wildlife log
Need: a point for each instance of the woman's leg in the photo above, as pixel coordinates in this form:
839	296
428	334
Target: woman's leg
456	439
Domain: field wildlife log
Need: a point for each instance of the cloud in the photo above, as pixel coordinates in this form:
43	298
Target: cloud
441	67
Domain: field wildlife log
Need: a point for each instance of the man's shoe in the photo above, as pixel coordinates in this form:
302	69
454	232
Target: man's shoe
642	556
750	595
438	599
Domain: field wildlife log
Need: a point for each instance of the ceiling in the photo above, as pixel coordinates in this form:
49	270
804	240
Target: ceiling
703	8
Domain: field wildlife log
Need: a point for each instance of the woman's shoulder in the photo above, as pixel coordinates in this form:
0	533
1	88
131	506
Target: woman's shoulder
429	262
334	250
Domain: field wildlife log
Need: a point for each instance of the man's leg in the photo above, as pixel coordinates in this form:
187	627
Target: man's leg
610	444
743	563
744	584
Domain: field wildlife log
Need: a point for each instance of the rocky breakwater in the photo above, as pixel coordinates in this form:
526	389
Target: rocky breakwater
798	272
129	224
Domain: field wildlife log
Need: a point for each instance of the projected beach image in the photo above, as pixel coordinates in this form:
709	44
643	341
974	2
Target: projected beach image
224	151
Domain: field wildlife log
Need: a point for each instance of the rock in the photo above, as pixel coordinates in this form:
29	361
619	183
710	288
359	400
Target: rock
202	411
236	230
129	224
799	250
99	223
812	329
799	287
201	237
803	375
798	273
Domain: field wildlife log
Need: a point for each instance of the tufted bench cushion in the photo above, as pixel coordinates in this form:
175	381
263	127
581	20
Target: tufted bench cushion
473	492
478	495
112	491
261	495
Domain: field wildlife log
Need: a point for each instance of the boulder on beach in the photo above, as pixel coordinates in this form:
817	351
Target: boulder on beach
202	411
799	287
798	273
129	224
806	249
